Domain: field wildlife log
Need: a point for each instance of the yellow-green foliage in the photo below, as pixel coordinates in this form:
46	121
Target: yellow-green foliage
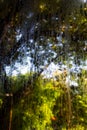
18	82
36	106
46	103
1	101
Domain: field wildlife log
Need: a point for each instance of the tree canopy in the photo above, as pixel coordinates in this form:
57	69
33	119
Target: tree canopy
45	32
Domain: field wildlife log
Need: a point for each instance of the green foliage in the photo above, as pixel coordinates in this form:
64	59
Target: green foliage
78	24
45	103
1	101
79	102
35	108
18	82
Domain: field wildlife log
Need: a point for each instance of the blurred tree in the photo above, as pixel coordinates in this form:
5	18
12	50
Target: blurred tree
11	18
50	19
38	20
